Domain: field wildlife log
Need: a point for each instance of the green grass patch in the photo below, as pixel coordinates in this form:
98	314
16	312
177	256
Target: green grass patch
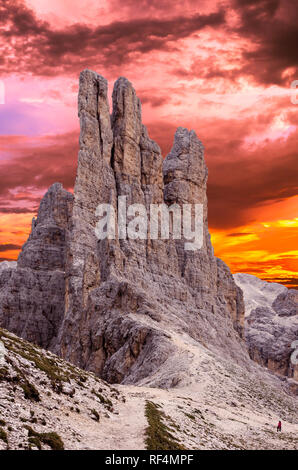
103	400
52	439
47	365
30	391
95	415
34	441
157	433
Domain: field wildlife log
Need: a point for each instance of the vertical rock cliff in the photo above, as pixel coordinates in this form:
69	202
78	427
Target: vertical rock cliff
32	293
132	309
124	297
118	306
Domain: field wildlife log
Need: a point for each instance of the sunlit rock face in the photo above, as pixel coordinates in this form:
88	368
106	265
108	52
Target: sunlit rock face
115	306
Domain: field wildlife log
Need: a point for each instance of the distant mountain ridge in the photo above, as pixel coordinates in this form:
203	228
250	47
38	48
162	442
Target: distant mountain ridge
271	324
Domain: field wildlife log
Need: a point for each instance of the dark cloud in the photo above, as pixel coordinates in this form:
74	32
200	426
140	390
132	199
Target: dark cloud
154	100
239	234
270	56
256	268
272	27
34	168
20	232
8	247
240	179
16	210
291	283
33	46
243	183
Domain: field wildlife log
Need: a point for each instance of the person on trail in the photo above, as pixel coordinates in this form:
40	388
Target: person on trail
279	426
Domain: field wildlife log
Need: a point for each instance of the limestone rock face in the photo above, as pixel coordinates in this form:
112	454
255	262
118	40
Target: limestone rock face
7	265
32	293
271	324
106	412
126	298
119	306
256	292
45	248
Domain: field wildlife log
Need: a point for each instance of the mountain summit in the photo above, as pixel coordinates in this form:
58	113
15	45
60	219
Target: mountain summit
129	309
113	306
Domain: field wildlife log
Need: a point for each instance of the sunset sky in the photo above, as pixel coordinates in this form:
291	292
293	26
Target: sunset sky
223	68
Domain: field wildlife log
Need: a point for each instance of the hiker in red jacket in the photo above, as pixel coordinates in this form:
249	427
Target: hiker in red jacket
279	426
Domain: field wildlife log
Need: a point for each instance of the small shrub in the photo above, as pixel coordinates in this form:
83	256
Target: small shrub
104	401
52	439
30	392
190	416
35	441
4	374
3	436
95	415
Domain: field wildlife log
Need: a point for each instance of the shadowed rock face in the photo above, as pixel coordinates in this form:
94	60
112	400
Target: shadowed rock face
125	300
32	293
45	247
271	324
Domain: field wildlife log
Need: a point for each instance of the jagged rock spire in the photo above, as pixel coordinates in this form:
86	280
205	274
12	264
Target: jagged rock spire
104	278
123	296
45	247
32	294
